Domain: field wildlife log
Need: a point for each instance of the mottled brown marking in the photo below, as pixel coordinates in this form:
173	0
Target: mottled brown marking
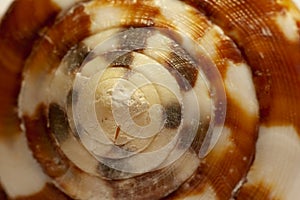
58	121
42	145
258	191
173	115
49	192
135	38
124	60
76	56
277	87
184	71
17	33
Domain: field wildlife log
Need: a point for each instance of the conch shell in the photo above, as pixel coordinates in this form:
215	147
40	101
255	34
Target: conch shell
150	99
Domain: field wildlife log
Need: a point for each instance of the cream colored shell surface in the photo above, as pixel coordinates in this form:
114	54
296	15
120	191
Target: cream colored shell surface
155	99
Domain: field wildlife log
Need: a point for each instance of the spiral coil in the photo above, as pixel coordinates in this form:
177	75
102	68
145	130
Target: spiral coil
158	99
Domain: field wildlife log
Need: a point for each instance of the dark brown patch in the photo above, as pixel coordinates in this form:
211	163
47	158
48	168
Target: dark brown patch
58	121
123	60
76	56
17	34
3	195
222	170
135	39
173	115
225	169
42	145
58	41
227	50
200	135
49	192
184	71
72	98
61	38
216	167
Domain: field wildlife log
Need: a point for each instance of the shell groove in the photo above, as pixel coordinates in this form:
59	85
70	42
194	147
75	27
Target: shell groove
156	99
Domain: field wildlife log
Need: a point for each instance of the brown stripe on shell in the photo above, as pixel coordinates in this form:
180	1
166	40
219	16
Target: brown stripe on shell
184	20
133	39
55	45
278	94
227	50
49	192
17	33
58	122
140	14
184	71
266	80
57	42
223	170
51	158
158	184
42	144
72	99
244	128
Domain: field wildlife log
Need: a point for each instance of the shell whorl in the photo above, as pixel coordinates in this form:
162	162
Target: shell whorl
156	99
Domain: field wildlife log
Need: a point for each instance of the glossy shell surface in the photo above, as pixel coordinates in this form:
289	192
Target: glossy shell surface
152	99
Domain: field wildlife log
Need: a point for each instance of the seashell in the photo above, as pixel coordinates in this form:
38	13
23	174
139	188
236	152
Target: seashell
154	99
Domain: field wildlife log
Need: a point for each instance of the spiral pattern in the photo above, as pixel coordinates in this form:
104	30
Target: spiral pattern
155	99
